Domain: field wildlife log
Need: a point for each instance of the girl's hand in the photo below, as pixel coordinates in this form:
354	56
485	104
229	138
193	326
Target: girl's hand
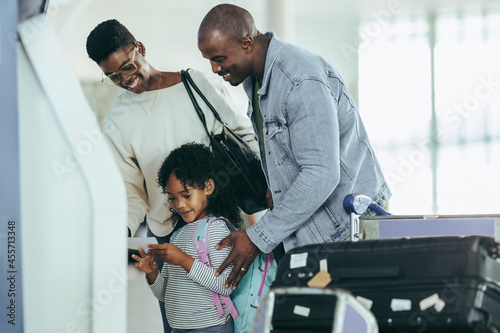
146	262
172	255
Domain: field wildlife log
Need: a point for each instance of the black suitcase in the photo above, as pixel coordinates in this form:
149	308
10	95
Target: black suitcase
428	284
307	310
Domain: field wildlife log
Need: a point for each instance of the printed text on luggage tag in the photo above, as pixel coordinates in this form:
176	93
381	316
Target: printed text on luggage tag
320	280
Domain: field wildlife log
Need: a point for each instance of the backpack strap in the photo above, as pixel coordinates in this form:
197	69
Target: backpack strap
200	234
268	263
200	245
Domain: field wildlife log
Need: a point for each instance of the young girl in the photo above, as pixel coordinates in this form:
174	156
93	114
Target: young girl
189	177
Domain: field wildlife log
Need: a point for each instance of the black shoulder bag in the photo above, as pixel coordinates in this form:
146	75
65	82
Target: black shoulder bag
243	168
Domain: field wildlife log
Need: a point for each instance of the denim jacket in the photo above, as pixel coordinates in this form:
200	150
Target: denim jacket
316	150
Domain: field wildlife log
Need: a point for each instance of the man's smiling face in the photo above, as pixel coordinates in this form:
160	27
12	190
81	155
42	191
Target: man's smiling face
228	58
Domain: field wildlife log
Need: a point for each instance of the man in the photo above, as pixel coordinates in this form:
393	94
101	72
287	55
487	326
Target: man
153	116
314	147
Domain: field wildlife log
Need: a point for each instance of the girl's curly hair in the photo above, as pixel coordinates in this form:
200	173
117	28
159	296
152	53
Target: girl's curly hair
194	164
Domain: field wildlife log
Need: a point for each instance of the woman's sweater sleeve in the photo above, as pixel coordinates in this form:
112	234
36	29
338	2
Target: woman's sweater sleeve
131	173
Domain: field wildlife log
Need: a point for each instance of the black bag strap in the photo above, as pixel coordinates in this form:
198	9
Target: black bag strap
200	113
187	80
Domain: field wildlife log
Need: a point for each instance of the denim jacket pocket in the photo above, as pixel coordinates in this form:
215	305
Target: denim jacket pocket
276	141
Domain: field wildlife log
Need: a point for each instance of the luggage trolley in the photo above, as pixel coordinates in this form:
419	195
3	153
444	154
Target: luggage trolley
451	260
384	225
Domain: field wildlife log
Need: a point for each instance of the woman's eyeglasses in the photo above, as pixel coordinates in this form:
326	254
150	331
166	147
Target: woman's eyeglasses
127	69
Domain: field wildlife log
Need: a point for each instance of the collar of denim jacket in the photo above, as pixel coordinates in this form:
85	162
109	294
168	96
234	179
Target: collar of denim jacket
273	52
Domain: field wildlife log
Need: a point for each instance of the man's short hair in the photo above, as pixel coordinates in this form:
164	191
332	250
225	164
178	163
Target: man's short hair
233	22
107	38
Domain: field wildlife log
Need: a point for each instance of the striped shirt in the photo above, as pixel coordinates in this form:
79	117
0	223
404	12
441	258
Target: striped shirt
187	296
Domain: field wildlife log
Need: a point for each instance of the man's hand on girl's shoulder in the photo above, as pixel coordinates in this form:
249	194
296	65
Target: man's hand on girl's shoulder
242	256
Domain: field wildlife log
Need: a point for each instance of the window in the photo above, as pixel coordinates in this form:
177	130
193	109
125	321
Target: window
429	93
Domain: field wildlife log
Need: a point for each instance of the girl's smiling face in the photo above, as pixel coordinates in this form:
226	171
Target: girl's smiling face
189	202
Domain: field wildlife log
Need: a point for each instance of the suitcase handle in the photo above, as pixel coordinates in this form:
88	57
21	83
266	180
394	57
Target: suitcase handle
365	272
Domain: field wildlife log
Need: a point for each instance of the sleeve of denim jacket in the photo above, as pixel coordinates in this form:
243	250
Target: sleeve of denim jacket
223	101
312	116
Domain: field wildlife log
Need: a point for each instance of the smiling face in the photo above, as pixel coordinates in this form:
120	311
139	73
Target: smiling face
229	59
189	202
120	62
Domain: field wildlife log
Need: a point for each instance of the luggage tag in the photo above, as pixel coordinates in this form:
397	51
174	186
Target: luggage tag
398	304
301	311
434	301
320	280
367	303
323	265
298	260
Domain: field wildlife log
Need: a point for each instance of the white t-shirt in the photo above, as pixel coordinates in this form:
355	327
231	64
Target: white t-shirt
141	142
